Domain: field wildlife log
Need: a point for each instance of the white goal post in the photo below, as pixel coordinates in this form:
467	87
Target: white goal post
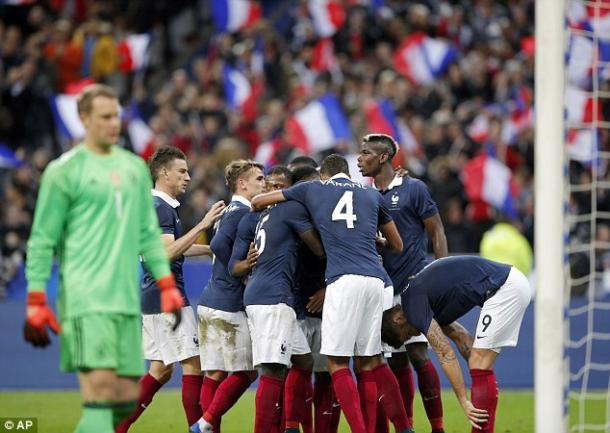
550	368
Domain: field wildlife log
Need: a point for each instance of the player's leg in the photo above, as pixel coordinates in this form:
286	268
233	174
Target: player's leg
224	345
341	318
401	367
498	326
94	346
371	362
429	383
327	410
298	389
158	373
268	400
192	381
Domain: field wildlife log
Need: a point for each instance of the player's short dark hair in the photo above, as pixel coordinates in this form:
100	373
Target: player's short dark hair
237	169
301	161
281	170
383	144
162	157
334	164
390	334
304	172
84	101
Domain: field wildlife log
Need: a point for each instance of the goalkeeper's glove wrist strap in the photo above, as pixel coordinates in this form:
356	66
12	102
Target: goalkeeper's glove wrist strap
37	298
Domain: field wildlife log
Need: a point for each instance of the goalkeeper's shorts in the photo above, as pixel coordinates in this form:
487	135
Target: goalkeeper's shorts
108	341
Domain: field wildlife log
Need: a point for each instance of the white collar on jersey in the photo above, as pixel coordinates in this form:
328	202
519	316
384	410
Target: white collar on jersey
241	199
340	176
166	198
397	181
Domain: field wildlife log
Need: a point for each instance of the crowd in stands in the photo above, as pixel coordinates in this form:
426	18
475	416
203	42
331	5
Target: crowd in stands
479	103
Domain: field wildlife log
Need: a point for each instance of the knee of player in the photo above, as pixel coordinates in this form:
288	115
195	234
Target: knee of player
304	362
418	353
161	372
277	371
482	359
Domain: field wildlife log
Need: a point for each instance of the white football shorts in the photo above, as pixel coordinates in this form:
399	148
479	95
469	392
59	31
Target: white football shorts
351	318
224	340
160	343
276	334
312	327
500	319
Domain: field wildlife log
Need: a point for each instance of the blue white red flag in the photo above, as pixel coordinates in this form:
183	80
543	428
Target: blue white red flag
234	15
319	125
328	16
488	180
422	59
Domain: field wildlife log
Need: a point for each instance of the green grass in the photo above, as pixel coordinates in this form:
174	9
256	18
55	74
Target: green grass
59	411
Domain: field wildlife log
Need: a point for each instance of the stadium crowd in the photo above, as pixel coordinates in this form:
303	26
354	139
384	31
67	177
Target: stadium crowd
49	46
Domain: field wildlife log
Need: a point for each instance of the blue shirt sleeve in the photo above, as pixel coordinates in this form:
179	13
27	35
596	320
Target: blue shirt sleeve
222	242
298	192
416	306
298	218
383	215
245	235
424	205
166	219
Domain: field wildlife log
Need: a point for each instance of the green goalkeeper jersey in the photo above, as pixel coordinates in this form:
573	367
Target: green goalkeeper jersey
95	213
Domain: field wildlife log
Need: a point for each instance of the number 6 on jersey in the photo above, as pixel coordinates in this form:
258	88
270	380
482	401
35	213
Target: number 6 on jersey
345	202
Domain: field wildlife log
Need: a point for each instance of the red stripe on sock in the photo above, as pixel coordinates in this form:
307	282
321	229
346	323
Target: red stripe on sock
191	391
349	399
267	401
430	390
148	388
388	392
484	395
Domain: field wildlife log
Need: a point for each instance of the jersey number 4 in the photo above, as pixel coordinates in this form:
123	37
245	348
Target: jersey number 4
344	210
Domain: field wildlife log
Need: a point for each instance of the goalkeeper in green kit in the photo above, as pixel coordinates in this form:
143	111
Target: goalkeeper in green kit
95	214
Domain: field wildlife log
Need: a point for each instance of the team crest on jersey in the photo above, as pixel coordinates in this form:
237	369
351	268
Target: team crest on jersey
115	178
395	198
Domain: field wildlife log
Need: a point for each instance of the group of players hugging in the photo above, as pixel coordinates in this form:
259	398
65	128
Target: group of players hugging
311	270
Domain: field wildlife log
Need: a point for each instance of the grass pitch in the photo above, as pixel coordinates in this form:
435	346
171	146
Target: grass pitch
59	411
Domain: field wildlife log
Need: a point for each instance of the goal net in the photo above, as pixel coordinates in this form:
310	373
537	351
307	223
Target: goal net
587	215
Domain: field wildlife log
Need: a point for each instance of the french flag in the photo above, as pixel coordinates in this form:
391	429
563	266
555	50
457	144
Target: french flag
488	180
422	59
65	111
319	125
138	130
323	58
381	118
580	107
478	130
328	16
582	144
134	53
234	15
240	94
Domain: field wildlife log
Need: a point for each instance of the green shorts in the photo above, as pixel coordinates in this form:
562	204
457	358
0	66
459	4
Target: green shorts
95	341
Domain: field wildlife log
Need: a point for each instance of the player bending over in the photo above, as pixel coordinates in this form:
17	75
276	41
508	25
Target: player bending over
443	292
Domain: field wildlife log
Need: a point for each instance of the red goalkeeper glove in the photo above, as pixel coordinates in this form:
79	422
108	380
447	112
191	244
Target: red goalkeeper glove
38	315
171	298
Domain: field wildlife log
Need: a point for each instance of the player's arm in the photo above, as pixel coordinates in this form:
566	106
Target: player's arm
49	222
436	231
261	201
311	238
153	250
393	239
451	366
460	336
198	250
240	268
176	247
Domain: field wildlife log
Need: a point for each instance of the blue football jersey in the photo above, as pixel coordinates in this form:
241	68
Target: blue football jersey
246	231
347	215
169	221
310	279
277	241
224	291
448	288
409	203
